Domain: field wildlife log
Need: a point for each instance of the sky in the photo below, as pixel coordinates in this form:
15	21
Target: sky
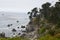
22	5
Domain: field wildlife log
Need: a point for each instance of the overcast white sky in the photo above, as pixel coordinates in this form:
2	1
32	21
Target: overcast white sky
21	5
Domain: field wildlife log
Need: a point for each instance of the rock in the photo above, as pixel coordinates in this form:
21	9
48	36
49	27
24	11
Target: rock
30	28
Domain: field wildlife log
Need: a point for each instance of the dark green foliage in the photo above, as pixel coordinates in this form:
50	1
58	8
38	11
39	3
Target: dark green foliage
46	5
42	30
52	14
52	32
33	13
48	19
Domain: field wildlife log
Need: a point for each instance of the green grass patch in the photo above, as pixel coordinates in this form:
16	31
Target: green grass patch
15	38
48	37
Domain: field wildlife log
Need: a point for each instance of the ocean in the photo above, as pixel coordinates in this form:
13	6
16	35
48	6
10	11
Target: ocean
12	18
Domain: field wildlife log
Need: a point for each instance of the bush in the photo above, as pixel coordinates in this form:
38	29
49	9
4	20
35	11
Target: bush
51	32
42	30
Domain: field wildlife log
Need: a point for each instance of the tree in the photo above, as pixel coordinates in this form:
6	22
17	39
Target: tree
51	15
45	9
33	14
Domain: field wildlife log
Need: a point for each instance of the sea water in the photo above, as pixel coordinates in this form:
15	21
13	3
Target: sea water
12	18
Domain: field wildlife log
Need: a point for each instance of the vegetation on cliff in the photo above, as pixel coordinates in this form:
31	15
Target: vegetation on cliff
46	20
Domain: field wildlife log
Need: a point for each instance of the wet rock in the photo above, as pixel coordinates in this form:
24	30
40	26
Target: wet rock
14	30
22	26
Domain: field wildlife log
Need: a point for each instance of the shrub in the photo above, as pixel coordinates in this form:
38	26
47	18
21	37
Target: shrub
42	30
51	32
